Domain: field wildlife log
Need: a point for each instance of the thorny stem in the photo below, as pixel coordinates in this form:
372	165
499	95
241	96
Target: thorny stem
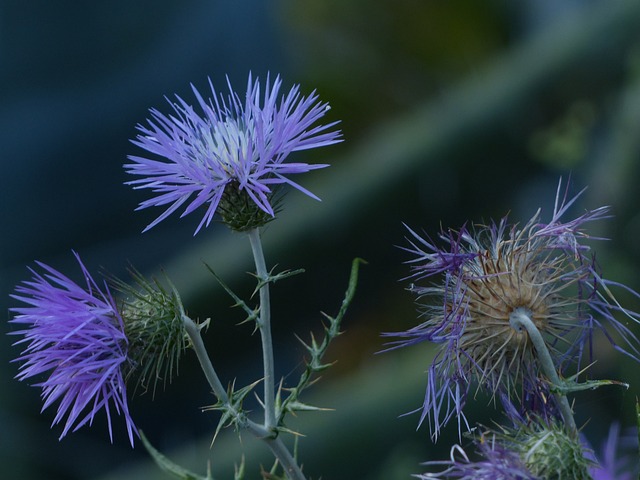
277	446
521	318
205	362
287	462
265	330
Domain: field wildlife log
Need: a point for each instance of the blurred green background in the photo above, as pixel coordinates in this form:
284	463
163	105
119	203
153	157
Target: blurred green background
451	111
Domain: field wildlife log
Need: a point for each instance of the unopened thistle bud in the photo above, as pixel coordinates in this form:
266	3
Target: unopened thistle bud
153	324
539	450
549	452
239	212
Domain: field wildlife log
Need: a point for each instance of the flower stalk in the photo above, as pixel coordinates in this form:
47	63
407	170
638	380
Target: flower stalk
205	362
521	318
275	444
264	323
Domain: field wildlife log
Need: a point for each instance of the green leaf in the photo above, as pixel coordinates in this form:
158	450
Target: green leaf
318	349
239	470
569	387
252	314
168	466
296	406
232	412
277	277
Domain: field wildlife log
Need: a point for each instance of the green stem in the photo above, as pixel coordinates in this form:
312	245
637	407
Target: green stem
521	317
265	330
205	362
277	446
288	463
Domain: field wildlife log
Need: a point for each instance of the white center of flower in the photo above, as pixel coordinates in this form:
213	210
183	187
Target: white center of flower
229	141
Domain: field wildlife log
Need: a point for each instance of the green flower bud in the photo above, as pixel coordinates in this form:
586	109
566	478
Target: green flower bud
549	452
240	212
153	324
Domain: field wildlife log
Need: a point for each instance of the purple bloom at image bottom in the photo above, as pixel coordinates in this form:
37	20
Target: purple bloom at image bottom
229	144
496	463
75	337
618	457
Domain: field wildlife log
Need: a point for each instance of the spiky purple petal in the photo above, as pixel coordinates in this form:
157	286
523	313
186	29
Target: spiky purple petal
76	336
496	463
230	141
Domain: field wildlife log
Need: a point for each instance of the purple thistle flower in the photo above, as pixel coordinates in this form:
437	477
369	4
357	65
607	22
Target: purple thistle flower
496	463
532	448
487	273
618	459
232	145
77	335
564	235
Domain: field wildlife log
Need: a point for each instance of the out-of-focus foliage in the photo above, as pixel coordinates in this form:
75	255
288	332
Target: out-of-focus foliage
375	59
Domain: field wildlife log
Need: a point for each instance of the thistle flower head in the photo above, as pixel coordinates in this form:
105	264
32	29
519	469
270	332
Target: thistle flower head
618	458
76	336
488	273
153	322
231	155
534	449
496	462
548	451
